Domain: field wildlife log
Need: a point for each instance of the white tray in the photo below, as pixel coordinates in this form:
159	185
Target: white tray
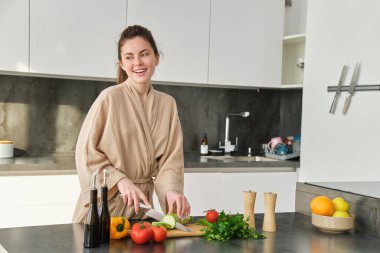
282	157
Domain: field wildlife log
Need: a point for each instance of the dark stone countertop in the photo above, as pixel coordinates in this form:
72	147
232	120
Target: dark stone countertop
294	234
65	165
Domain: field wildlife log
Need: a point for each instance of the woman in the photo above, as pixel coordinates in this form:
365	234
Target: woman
134	132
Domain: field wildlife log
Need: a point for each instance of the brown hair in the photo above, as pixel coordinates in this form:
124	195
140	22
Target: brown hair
129	33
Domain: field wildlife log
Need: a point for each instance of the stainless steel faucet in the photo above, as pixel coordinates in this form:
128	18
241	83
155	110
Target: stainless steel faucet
228	147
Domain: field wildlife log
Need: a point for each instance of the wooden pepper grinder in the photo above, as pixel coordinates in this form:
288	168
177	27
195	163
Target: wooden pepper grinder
269	224
249	207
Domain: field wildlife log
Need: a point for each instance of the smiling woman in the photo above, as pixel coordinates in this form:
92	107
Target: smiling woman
140	50
138	61
134	132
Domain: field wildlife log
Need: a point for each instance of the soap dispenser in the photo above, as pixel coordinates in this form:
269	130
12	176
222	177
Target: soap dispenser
204	145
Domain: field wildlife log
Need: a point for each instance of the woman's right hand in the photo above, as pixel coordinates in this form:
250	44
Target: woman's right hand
131	194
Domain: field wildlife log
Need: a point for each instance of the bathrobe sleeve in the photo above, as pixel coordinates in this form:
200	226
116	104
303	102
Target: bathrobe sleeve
94	143
171	164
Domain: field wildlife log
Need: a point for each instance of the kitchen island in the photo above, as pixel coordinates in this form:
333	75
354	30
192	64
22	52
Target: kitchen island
294	234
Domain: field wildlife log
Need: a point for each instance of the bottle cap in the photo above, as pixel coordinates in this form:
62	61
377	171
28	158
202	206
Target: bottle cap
106	175
93	181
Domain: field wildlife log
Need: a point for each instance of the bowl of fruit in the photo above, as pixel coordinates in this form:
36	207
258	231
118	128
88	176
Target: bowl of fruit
331	215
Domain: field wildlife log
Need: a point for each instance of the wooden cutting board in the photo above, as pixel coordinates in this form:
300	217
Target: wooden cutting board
178	233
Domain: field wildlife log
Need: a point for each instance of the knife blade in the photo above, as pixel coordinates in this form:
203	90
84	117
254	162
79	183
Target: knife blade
158	216
338	89
351	89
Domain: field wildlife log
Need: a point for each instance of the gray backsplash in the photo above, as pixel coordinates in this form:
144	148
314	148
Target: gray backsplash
44	115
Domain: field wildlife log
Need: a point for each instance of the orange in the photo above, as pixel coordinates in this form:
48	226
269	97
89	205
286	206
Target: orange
322	205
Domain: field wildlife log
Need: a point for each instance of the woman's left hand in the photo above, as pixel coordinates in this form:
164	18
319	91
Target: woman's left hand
178	200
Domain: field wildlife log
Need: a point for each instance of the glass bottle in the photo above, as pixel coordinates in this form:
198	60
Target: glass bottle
105	218
91	223
204	145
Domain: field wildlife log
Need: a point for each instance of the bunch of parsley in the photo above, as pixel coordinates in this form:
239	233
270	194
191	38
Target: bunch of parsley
228	226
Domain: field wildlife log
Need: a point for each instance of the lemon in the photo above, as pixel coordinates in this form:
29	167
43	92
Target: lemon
340	204
340	214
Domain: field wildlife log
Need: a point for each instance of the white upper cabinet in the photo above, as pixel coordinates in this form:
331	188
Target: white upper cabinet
246	40
181	31
76	38
295	18
14	35
223	42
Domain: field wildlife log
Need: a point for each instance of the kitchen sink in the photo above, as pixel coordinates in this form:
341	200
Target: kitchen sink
243	158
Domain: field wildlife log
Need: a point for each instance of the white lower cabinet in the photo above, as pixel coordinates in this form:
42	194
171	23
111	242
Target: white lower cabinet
224	191
282	183
45	200
37	200
203	191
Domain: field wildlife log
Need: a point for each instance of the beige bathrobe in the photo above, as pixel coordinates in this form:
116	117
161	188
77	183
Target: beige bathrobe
143	144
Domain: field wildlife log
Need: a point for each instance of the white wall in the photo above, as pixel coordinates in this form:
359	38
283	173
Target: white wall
341	147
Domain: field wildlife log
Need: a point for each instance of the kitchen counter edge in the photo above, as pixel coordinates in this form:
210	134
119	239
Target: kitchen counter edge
65	165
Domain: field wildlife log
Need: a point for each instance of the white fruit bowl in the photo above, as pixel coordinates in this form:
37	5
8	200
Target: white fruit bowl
332	224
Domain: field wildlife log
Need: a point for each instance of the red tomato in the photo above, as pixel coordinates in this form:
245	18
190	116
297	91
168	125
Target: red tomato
141	233
138	225
212	216
159	234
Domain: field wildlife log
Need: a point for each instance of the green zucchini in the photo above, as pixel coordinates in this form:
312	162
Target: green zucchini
161	224
169	220
185	221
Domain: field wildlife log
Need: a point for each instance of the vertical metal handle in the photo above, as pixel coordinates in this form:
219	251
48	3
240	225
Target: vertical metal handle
346	104
333	105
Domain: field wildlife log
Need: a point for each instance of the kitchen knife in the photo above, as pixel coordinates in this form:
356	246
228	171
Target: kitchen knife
337	94
158	216
351	89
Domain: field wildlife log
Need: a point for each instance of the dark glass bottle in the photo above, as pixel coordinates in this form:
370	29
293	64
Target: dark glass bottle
105	218
204	145
91	224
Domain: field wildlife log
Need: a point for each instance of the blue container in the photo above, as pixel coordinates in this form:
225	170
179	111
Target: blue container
297	137
281	149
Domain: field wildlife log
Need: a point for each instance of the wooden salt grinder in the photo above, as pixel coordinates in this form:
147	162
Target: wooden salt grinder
249	207
269	224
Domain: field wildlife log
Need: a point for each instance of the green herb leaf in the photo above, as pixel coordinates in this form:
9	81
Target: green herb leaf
228	226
